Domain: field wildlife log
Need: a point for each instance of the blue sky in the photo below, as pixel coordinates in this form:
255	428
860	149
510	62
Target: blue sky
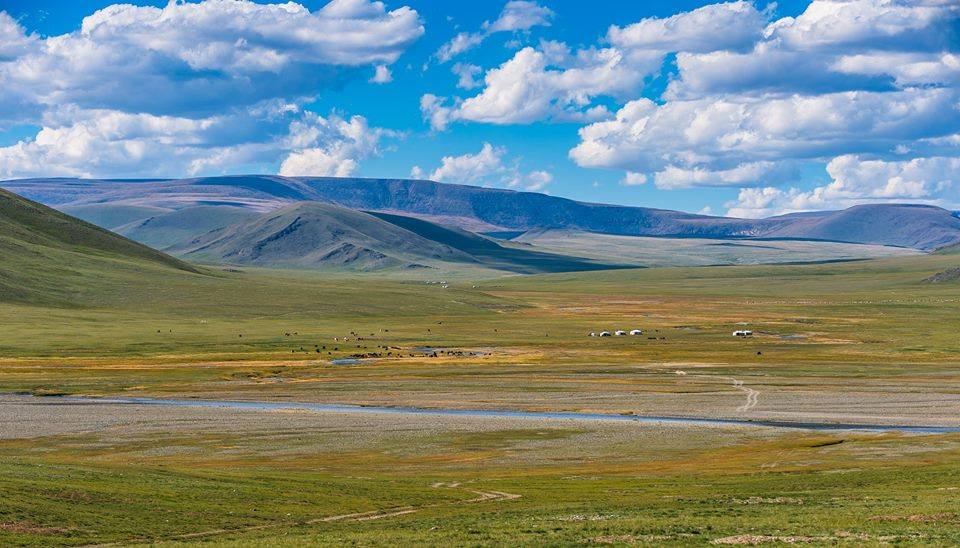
744	108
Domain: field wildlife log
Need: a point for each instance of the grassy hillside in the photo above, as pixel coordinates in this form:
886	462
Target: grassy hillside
313	234
50	257
68	288
320	235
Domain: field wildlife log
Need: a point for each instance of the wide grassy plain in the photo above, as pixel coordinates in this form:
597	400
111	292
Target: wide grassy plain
865	342
664	252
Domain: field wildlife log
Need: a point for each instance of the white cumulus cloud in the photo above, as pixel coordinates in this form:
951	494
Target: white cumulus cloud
551	82
191	86
470	168
751	174
632	178
517	15
486	167
868	83
749	98
204	57
734	25
827	48
856	181
14	40
382	75
722	133
103	143
330	146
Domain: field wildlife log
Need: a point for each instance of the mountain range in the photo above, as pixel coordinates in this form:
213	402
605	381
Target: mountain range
386	223
116	201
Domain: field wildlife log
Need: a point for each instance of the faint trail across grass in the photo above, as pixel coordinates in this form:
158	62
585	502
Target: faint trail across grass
752	395
481	496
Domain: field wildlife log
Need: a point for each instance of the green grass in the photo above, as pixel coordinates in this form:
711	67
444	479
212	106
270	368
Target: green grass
50	502
797	486
835	321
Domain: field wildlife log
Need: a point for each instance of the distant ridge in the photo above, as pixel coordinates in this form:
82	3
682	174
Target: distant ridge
495	210
905	225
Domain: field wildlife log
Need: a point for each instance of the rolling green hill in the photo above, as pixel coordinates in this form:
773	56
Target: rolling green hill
313	234
321	235
49	257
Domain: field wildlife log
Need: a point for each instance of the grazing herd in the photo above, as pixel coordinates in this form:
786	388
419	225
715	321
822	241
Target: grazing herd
383	351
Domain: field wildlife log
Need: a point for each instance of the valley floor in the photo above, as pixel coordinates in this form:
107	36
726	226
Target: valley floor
866	342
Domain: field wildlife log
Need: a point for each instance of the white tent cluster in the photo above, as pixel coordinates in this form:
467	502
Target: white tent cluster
618	333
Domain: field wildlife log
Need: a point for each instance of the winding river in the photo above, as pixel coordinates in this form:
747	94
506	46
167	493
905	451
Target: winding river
508	414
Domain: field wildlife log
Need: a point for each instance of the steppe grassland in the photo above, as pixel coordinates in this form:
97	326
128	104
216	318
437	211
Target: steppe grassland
662	252
517	341
248	479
